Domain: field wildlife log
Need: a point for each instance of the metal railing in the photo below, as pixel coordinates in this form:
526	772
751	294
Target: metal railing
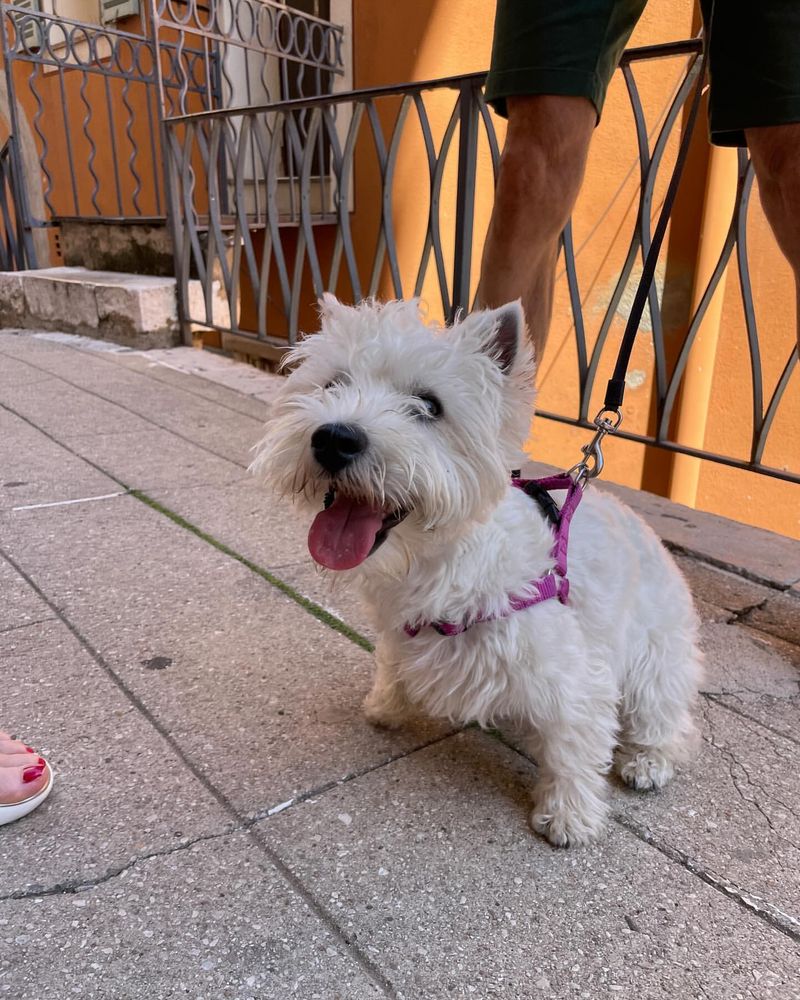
16	250
96	95
257	284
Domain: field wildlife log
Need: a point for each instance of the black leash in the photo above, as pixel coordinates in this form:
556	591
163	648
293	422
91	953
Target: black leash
610	417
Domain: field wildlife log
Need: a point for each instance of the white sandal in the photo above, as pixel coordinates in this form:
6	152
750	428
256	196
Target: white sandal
16	810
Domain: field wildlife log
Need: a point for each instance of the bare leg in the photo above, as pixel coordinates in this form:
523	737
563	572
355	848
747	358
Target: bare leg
776	157
541	171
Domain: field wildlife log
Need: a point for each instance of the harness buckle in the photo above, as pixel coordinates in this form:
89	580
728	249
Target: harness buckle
591	465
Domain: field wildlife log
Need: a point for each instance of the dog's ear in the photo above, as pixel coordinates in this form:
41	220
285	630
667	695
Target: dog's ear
509	331
331	308
501	332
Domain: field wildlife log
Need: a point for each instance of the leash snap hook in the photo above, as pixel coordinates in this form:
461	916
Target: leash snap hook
591	465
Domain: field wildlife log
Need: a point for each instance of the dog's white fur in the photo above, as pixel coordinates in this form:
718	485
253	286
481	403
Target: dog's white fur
617	666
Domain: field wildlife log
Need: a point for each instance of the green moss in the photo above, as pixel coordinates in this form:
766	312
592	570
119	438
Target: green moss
286	589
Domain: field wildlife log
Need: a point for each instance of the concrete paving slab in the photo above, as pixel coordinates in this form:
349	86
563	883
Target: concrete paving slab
120	791
243	515
87	382
193	379
743	662
141	413
432	869
721	588
777	715
20	607
13	372
262	696
734	808
779	615
328	591
77	359
225	433
214	920
36	470
61	409
152	459
245	380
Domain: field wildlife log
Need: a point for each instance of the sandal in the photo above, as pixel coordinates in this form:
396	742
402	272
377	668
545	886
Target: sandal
16	810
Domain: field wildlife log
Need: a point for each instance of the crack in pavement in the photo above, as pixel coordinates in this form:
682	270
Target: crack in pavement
39	621
766	911
734	762
76	885
715	697
755	904
367	964
740	614
72	886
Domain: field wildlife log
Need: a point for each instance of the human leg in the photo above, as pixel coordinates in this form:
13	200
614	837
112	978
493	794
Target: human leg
775	152
540	175
551	64
754	64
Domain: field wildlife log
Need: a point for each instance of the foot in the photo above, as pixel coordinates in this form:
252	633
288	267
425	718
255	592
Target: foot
387	707
645	770
23	773
568	814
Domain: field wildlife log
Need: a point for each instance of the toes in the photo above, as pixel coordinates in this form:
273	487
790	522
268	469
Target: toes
19	783
565	829
645	772
9	746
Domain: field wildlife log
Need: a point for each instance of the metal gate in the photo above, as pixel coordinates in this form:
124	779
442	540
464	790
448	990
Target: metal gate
94	95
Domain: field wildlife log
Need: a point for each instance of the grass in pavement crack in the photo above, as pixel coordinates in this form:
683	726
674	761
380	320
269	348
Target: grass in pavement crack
286	589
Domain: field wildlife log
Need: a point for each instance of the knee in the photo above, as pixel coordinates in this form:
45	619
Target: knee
544	157
776	157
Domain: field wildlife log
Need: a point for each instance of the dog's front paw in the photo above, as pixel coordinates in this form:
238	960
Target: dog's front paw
385	709
570	819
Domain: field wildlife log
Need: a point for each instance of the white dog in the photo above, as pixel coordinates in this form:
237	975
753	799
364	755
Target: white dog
400	438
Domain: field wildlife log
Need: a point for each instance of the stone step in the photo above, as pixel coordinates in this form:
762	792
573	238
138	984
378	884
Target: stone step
131	309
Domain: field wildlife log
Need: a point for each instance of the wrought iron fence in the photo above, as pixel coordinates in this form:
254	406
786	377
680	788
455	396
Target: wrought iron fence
16	250
259	281
96	95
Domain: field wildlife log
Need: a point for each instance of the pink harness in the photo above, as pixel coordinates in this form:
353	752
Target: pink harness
553	584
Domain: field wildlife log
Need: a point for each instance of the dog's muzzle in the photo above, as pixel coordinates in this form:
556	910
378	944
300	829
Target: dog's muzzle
335	446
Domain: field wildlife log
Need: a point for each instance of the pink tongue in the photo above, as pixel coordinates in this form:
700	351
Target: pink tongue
342	536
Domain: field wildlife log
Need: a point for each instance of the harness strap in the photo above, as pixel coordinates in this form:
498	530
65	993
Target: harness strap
554	584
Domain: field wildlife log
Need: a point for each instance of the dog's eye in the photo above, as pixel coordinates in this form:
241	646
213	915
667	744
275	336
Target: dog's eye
335	383
431	407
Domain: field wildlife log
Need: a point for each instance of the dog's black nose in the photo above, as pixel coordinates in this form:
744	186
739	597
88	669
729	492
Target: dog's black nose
336	445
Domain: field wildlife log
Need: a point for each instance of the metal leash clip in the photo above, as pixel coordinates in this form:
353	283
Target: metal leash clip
591	465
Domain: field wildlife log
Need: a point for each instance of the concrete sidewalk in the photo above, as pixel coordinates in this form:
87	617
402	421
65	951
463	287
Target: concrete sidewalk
225	824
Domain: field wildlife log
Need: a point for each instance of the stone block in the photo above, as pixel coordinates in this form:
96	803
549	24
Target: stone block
12	299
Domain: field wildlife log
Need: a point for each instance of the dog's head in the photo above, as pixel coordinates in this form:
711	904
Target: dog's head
389	427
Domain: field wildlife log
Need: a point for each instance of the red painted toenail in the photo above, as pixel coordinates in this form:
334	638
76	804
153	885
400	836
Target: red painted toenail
32	773
30	749
42	762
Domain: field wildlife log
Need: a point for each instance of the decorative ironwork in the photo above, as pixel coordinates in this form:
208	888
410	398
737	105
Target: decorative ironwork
16	247
232	196
107	90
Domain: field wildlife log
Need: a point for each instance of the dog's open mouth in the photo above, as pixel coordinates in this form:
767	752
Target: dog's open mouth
348	531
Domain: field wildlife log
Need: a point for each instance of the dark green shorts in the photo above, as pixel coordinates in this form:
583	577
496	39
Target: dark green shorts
572	47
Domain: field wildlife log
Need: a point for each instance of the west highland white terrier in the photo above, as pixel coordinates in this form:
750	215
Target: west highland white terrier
399	437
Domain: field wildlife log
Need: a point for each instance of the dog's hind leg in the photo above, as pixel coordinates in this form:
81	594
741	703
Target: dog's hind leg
658	693
387	704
